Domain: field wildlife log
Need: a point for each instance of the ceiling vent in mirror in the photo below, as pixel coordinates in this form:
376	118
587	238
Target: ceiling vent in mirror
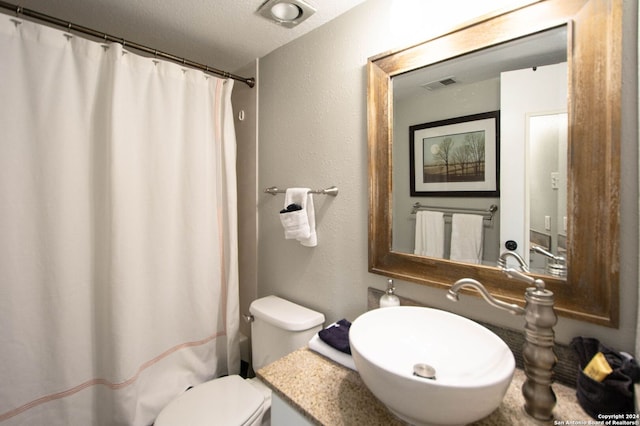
440	83
287	13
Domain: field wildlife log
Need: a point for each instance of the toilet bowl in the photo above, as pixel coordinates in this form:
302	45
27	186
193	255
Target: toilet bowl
278	327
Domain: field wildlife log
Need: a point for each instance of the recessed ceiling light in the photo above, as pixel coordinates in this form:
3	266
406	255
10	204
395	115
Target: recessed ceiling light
287	13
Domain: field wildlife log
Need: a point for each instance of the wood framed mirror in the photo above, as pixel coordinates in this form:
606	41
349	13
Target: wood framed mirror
594	54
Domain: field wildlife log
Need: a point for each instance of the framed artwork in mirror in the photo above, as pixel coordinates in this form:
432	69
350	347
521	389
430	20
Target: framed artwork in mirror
457	157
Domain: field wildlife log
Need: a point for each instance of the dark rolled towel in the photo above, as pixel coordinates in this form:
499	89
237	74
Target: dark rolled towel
337	336
614	395
291	208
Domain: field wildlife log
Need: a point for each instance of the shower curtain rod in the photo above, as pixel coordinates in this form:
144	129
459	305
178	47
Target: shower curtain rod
125	43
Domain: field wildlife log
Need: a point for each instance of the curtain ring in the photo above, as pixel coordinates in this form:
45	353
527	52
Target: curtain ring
18	10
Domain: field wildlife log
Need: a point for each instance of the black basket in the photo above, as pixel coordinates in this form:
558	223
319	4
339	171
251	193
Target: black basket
614	395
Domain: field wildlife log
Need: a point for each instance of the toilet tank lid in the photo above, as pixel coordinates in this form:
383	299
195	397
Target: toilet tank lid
285	314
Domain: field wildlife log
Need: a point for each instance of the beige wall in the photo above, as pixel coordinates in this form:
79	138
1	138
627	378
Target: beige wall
312	132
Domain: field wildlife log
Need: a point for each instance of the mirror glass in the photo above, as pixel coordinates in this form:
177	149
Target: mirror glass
517	80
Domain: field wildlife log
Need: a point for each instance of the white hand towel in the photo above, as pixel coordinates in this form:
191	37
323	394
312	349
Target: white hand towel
312	240
296	222
466	238
300	224
429	239
317	345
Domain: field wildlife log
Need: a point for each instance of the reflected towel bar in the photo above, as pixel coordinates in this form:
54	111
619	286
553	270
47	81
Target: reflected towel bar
448	211
333	191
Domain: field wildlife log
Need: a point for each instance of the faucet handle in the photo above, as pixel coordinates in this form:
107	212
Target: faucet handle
548	254
559	265
512	273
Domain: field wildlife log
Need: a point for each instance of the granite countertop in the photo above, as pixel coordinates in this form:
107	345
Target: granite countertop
329	394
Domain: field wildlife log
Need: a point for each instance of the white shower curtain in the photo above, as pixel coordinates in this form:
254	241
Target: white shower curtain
118	245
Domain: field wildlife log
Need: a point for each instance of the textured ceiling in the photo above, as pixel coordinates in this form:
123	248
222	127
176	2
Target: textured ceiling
225	34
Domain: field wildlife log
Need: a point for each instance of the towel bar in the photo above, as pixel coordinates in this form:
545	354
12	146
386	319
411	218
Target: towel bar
448	211
333	191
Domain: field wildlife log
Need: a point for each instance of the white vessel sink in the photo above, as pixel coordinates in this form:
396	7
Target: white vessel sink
473	366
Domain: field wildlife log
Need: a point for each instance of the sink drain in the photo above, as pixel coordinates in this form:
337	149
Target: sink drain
425	371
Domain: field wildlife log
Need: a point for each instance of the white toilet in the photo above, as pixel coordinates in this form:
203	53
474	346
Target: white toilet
279	327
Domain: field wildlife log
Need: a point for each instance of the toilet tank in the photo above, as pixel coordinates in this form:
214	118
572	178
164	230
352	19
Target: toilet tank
280	327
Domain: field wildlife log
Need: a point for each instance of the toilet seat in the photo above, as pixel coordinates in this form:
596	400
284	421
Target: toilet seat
228	400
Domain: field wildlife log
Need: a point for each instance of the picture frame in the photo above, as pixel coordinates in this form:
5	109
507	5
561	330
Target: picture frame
456	157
